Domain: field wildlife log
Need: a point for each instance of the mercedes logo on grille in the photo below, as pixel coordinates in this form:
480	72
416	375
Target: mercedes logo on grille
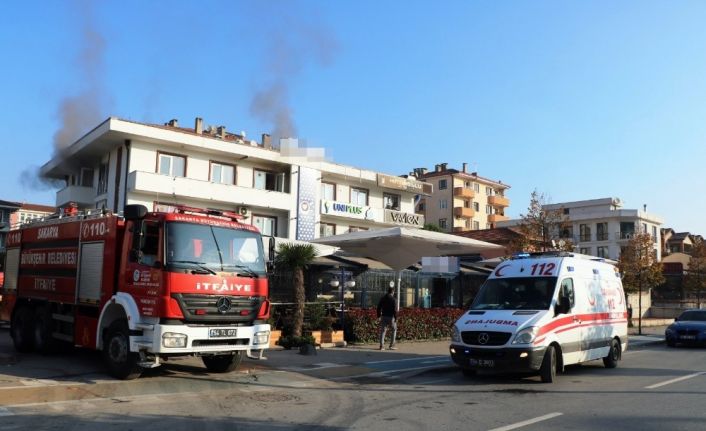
223	304
483	338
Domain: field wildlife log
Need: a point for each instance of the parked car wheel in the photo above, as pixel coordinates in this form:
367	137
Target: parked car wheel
547	371
611	360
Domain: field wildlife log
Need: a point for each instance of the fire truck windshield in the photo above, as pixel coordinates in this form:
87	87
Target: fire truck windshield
211	248
515	293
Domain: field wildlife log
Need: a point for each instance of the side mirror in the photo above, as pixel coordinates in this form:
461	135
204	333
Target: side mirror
135	212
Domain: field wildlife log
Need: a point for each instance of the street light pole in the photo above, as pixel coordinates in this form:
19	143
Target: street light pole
639	292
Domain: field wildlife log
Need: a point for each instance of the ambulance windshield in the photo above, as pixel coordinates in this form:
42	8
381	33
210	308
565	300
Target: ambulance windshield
212	248
521	293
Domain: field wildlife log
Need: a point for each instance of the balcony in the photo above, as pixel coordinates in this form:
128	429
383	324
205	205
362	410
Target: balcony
498	201
462	192
83	196
624	235
162	186
462	212
494	218
602	236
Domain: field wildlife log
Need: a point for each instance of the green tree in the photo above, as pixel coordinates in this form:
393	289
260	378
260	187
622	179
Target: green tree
432	227
639	268
695	279
296	257
539	226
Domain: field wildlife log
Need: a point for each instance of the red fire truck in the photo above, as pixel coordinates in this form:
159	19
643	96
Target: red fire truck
142	287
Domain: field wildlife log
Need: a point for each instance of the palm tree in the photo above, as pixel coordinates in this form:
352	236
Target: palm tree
296	257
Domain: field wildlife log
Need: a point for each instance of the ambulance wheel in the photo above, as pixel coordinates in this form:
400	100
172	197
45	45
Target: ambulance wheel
547	371
44	342
21	329
611	361
121	362
222	363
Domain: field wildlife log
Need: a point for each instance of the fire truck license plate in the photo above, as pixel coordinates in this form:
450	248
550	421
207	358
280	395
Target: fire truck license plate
222	333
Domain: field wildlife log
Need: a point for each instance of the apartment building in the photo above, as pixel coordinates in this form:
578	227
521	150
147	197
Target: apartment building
284	190
602	227
28	212
7	208
462	200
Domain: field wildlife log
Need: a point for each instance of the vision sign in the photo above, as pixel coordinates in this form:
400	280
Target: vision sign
398	217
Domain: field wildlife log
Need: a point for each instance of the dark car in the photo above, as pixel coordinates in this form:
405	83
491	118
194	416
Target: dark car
688	328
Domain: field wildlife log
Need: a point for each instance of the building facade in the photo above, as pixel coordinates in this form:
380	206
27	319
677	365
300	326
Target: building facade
461	200
285	191
7	208
29	212
601	227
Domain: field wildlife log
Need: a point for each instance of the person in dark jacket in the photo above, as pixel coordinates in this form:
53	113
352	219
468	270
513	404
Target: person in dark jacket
387	313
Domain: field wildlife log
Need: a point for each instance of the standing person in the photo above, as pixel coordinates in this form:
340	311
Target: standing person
387	313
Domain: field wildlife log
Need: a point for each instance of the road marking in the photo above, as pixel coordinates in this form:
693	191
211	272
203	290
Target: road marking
527	422
424	358
678	379
387	373
430	382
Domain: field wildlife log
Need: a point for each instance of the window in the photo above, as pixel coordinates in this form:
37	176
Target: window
359	196
466	204
467	184
442	223
585	250
171	165
489	191
489	209
390	201
103	179
602	251
443	204
357	229
601	232
266	224
443	184
476	187
567	290
654	233
467	223
627	230
327	229
421	207
86	177
265	180
328	191
476	206
476	225
565	211
145	243
584	232
644	227
566	232
222	173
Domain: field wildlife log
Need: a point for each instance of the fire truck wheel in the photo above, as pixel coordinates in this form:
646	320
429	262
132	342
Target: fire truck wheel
547	371
122	364
44	342
222	363
21	329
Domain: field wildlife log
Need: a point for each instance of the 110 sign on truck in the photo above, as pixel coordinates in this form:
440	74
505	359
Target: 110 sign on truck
141	288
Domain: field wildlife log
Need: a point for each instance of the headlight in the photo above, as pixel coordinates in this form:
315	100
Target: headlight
669	331
262	337
456	334
526	336
174	340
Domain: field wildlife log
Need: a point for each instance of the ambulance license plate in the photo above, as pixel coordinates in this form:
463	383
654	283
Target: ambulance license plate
687	337
485	363
222	333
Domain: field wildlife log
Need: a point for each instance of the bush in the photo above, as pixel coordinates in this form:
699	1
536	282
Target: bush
289	341
363	326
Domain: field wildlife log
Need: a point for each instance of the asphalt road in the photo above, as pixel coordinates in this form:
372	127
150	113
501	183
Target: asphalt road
654	388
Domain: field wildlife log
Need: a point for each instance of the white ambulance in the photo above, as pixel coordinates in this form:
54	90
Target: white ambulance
537	313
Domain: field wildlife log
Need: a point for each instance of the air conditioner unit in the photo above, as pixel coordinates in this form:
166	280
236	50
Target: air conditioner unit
243	211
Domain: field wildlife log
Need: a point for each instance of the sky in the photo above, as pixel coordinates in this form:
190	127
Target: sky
577	100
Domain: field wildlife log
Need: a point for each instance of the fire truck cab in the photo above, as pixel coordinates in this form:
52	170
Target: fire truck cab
141	288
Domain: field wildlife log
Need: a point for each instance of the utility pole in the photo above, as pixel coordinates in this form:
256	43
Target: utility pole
639	292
